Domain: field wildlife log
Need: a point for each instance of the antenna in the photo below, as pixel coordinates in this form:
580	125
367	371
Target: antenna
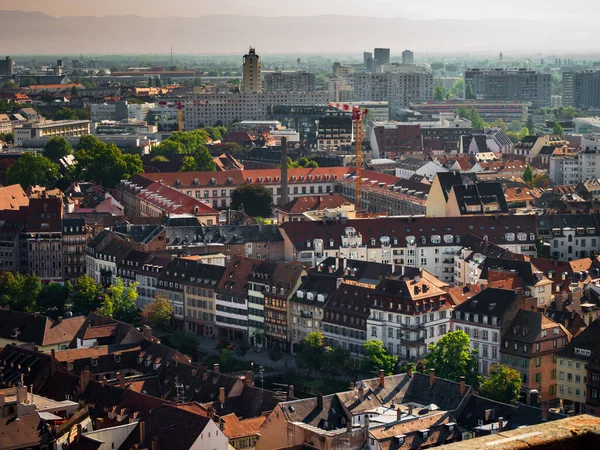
171	55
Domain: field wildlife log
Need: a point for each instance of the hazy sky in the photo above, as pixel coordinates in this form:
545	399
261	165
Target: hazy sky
412	9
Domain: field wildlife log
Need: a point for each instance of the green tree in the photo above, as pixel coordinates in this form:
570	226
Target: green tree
516	126
541	181
56	148
88	295
311	351
458	89
523	133
451	358
232	147
336	360
53	297
33	169
499	123
168	147
503	385
530	125
158	313
160	158
528	174
476	121
558	130
74	91
463	113
256	199
20	292
377	357
469	94
438	93
119	301
65	114
188	164
204	161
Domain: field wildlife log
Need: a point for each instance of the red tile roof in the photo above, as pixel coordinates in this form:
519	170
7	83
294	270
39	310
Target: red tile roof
12	197
314	203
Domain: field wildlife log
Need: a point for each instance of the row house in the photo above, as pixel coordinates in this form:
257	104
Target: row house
232	299
171	285
576	389
75	236
103	254
468	261
142	197
530	345
409	311
287	277
215	188
430	243
484	317
535	283
200	297
570	236
307	308
147	277
258	280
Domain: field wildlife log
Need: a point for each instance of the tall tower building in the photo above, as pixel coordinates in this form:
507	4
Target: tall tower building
381	56
252	82
408	57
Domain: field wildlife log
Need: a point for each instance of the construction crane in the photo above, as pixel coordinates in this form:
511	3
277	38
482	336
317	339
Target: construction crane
357	116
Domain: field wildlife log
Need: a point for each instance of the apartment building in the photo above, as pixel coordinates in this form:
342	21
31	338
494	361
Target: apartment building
335	131
581	88
143	197
429	243
508	84
570	236
286	279
203	109
484	317
75	236
289	82
572	366
307	308
530	345
574	167
215	188
399	89
258	280
48	129
390	140
171	284
121	110
487	110
102	255
147	277
200	298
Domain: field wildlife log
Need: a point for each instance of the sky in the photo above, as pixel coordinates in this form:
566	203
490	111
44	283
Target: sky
411	9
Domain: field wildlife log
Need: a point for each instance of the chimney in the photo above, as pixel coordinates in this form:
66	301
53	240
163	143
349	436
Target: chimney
103	382
154	443
500	424
320	400
409	372
31	394
349	425
121	378
352	386
381	378
398	413
463	385
215	368
545	411
211	413
2	399
84	379
367	421
79	433
222	395
142	431
22	394
284	173
52	361
431	377
361	393
147	332
291	391
410	409
249	378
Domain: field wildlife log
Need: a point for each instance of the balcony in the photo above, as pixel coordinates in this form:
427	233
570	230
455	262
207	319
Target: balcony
412	343
306	314
411	326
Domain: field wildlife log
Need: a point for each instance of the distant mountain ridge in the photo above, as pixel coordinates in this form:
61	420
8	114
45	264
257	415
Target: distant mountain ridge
37	33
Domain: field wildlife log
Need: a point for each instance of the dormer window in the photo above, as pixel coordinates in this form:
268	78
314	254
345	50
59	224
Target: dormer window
94	362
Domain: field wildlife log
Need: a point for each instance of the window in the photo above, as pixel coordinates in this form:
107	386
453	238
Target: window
538	377
94	362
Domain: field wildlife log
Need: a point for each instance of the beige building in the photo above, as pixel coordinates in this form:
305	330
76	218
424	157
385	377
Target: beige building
252	81
63	128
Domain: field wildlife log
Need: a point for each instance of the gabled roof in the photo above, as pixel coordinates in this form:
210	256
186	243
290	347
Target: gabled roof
489	302
522	269
527	326
235	428
412	164
12	197
37	329
481	194
27	431
314	203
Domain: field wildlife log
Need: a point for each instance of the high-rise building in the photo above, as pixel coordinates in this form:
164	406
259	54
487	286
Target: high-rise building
289	82
581	88
7	66
399	89
381	56
408	57
252	80
368	61
503	84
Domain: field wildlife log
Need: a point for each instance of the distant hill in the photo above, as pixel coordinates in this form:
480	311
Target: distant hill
36	33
